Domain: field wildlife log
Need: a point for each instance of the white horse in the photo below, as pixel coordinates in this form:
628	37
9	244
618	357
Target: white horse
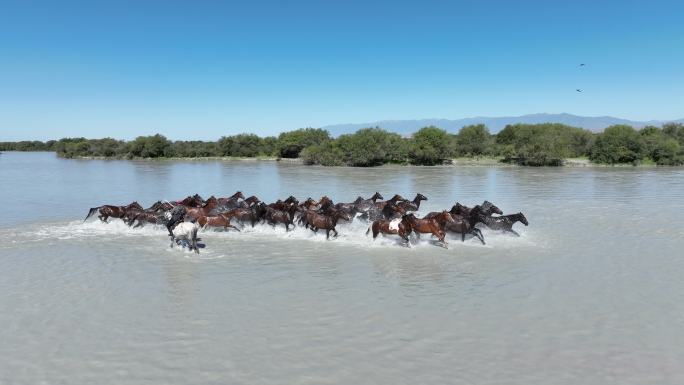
186	231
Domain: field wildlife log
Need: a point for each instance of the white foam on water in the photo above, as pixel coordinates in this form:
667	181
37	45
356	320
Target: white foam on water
349	234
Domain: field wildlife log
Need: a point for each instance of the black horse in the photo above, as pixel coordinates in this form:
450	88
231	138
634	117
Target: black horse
504	222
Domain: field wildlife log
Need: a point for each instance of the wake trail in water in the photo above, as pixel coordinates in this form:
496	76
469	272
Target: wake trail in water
351	234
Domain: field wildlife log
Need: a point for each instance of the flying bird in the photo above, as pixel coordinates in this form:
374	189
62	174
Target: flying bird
582	64
578	90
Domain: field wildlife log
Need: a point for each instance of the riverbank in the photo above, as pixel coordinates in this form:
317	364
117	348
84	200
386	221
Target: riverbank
455	162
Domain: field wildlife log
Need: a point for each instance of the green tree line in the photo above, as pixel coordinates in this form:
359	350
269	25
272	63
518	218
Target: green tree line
545	144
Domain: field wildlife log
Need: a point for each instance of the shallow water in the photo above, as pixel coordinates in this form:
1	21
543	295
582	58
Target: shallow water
591	293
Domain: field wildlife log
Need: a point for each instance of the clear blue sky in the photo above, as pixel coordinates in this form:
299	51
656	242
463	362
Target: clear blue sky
202	69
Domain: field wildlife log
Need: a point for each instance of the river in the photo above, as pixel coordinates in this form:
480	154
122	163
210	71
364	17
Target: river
590	293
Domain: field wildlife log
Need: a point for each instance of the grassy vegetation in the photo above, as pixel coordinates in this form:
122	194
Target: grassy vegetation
546	144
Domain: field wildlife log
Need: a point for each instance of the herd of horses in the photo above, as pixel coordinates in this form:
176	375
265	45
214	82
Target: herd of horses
395	216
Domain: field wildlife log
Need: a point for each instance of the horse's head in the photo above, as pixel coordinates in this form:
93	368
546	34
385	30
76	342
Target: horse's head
238	195
522	219
459	209
252	200
135	205
212	201
291	199
445	216
376	196
491	208
420	197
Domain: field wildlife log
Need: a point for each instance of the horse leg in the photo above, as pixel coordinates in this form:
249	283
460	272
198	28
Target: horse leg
479	235
233	227
333	229
327	233
513	231
463	236
440	236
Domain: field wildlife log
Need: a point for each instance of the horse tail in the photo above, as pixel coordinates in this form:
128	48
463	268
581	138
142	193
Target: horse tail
91	212
369	229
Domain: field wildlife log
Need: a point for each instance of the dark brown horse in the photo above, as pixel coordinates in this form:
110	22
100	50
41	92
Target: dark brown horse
326	204
316	221
252	214
396	198
232	201
459	210
413	205
504	222
283	205
107	211
308	204
144	217
401	228
363	205
434	225
249	201
285	217
389	211
466	224
192	201
216	221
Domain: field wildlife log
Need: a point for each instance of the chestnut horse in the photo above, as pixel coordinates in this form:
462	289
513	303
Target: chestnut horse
204	211
434	225
107	211
216	221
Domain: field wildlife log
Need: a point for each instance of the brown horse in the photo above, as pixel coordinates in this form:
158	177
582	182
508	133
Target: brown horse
325	204
308	204
389	211
204	211
434	225
143	217
396	198
285	217
216	221
253	214
107	211
412	205
192	201
249	201
284	205
363	205
232	201
316	221
403	228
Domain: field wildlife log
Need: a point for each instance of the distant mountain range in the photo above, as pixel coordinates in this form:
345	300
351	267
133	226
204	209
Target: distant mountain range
407	127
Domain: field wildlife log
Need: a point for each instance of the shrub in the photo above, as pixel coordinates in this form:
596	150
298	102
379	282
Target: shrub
430	146
617	144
